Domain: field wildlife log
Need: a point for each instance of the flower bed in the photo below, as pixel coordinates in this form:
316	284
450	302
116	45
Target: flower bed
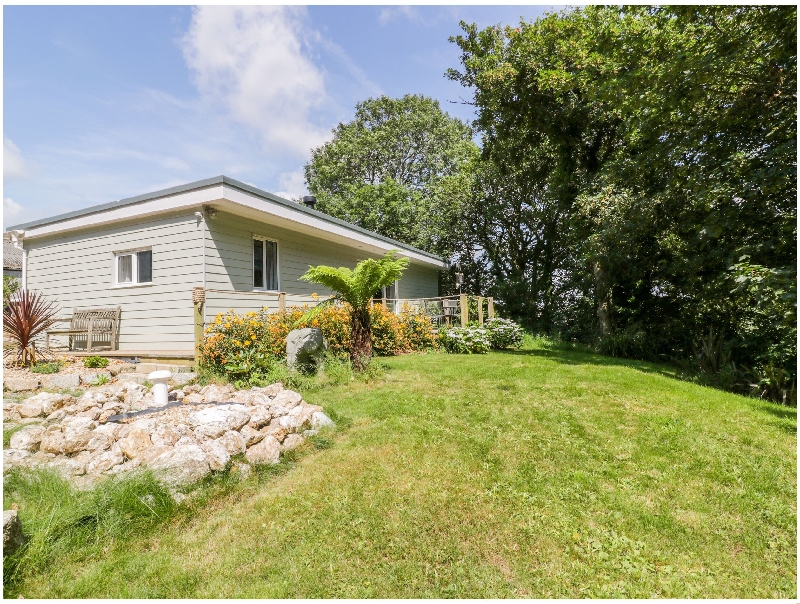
243	343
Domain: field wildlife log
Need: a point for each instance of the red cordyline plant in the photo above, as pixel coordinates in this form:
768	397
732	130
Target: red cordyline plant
27	315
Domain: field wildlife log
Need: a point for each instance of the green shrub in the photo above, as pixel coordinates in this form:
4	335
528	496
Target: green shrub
631	343
504	333
54	367
465	340
246	348
95	362
100	380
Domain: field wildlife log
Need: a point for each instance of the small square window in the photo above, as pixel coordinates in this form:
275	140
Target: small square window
134	267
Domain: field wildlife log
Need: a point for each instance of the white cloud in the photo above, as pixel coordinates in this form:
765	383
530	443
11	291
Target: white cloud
11	209
396	12
253	61
13	163
292	184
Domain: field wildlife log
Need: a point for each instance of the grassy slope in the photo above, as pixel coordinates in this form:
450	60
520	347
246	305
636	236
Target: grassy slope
534	473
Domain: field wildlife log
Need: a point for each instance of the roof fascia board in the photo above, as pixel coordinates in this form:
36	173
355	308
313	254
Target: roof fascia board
190	199
325	227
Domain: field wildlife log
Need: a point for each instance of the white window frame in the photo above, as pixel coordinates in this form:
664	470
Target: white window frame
396	291
277	263
134	269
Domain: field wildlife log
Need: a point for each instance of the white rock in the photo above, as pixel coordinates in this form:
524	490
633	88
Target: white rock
53	440
135	443
292	442
233	442
232	416
30	409
287	399
320	420
165	435
268	451
218	456
183	465
186	440
100	442
250	436
210	431
77	433
12	457
104	461
50	401
218	394
259	417
148	424
289	422
27	439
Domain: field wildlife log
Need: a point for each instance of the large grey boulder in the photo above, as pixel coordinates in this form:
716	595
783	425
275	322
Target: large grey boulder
268	451
57	381
27	439
12	532
305	347
20	384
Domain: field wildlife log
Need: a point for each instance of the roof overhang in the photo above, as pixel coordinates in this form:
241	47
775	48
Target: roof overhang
227	195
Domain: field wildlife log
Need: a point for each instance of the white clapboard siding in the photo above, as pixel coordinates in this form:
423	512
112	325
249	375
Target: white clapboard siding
76	270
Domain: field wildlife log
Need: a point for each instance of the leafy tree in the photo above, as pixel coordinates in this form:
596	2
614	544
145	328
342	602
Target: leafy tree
394	170
663	141
356	287
10	285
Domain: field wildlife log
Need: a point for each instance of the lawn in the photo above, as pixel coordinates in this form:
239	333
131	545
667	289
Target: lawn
534	473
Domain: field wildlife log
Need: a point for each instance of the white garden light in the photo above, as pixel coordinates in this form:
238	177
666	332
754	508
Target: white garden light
160	379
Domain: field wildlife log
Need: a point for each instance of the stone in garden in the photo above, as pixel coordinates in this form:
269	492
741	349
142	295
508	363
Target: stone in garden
30	409
57	381
233	416
259	417
234	442
286	399
292	442
309	433
27	439
13	537
179	379
165	435
210	431
303	414
13	457
53	440
104	461
135	443
57	415
68	466
20	384
182	465
93	413
49	401
148	424
218	394
77	433
151	453
268	451
218	456
275	430
100	442
305	347
289	422
11	415
250	435
243	470
320	420
91	378
251	398
272	390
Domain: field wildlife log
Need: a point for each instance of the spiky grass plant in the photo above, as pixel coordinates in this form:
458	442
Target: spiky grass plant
27	316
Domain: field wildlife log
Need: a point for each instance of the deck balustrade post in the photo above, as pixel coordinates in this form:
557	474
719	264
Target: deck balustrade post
281	302
491	307
480	310
383	303
198	299
464	310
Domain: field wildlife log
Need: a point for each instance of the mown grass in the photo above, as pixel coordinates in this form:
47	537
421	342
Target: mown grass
544	472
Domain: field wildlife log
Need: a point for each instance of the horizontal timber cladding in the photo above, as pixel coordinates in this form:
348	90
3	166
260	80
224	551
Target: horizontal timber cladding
229	266
76	270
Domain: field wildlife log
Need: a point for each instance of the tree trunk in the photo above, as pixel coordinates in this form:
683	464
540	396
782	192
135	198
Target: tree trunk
360	339
603	300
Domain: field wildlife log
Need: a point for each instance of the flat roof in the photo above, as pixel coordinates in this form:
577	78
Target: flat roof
209	182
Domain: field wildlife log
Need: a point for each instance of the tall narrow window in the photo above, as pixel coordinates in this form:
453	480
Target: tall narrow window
134	267
265	264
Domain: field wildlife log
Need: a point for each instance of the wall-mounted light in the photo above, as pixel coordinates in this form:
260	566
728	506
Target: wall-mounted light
210	212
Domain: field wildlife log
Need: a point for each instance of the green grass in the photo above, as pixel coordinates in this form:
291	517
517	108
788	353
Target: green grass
545	472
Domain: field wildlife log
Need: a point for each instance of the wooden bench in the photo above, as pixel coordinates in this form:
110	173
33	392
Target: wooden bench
94	323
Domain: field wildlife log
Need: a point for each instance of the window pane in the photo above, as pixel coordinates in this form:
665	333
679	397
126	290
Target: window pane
271	271
145	266
258	263
125	269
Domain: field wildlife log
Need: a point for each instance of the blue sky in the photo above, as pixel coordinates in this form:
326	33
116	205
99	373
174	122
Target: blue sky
102	103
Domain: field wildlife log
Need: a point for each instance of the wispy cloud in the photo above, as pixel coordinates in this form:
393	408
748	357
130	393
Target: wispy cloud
292	185
254	62
11	209
13	162
399	12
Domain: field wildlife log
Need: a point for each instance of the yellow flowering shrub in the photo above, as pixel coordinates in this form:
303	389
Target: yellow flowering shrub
235	344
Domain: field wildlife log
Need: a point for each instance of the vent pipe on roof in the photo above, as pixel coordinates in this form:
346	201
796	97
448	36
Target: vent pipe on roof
310	201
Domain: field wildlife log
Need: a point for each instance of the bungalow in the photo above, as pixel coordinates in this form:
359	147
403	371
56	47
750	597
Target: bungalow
220	240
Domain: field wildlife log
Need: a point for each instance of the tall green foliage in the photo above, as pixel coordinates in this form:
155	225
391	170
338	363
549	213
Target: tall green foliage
356	287
661	144
395	169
